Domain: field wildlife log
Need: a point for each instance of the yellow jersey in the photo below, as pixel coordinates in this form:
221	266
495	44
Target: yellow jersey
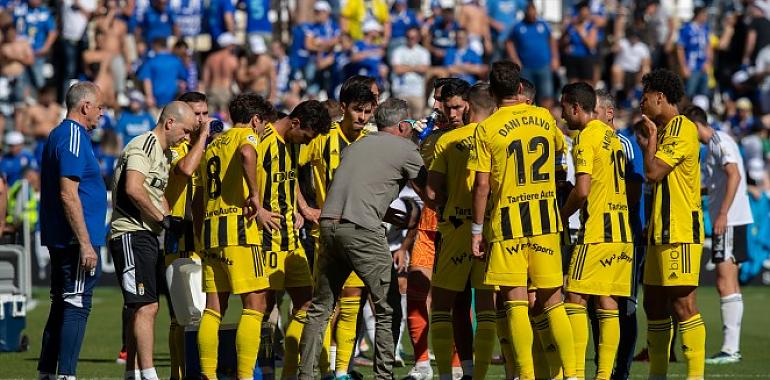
277	181
452	151
522	149
225	191
179	194
323	153
677	212
429	217
604	217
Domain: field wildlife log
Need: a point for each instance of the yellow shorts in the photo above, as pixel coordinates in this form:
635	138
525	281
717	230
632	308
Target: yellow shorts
423	253
602	269
234	269
537	259
353	280
673	264
288	269
455	263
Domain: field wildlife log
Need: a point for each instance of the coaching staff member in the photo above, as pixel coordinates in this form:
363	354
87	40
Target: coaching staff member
73	233
370	176
140	213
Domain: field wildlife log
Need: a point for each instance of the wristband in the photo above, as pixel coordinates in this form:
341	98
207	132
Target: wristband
477	228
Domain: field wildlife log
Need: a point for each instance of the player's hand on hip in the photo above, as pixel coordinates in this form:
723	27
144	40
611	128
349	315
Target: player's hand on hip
268	220
720	224
311	214
299	221
88	257
477	246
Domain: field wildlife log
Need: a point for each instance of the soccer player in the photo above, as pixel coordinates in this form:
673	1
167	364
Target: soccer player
73	206
728	205
287	266
675	229
515	162
449	189
179	240
232	261
602	260
140	214
323	153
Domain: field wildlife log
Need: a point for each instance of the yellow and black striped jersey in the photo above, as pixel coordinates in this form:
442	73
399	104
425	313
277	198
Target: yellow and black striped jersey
225	191
677	214
179	194
277	179
451	154
323	153
522	149
604	217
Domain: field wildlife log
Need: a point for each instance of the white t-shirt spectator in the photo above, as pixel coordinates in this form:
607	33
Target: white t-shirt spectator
762	64
723	150
411	83
630	56
75	22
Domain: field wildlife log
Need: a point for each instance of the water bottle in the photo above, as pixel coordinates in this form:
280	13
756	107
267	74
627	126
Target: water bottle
215	126
429	124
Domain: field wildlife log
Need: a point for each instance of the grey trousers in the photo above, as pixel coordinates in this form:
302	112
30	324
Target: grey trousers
347	247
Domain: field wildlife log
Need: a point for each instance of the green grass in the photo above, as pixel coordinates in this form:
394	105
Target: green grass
102	342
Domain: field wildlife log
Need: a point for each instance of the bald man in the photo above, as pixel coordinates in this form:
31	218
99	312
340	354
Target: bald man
140	214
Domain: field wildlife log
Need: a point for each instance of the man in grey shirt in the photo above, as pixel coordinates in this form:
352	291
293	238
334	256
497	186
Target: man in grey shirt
372	172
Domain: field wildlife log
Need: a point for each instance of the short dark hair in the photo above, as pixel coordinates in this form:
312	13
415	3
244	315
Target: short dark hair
696	114
580	93
504	79
357	79
666	82
528	89
192	97
180	43
440	82
312	115
454	87
357	93
247	105
479	97
583	4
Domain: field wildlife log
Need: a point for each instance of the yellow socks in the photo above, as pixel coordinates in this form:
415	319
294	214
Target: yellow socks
176	349
542	370
247	342
484	342
504	337
345	334
208	343
561	331
442	340
521	337
609	339
659	334
291	343
551	358
578	319
694	346
324	359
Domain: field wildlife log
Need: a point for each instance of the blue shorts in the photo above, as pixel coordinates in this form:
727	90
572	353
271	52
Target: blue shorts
542	79
71	283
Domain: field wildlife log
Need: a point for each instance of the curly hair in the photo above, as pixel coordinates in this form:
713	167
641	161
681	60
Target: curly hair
247	105
312	115
666	82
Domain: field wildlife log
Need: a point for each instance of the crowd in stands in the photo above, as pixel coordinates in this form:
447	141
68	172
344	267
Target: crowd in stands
144	53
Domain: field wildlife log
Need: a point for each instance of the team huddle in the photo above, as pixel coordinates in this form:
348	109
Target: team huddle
498	180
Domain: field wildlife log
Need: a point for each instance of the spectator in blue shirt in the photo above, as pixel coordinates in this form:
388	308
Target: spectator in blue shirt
157	22
16	158
579	42
188	15
401	20
182	50
368	55
299	55
695	54
532	45
220	18
325	36
441	35
462	61
257	21
39	26
135	120
502	17
163	75
73	208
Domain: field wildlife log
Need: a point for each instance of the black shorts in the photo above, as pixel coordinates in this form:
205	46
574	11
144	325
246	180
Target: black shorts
580	67
138	265
732	245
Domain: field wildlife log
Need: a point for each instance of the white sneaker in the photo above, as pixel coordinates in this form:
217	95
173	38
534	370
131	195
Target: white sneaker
724	358
457	373
420	373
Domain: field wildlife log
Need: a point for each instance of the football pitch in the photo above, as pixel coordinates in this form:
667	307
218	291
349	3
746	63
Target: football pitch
102	341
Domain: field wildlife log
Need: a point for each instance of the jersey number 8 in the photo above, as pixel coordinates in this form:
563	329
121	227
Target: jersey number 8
213	167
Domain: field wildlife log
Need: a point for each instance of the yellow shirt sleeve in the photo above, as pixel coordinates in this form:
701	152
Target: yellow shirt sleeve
178	152
481	158
583	153
440	160
560	149
248	138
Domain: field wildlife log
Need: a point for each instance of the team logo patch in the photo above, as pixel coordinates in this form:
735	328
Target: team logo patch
252	139
174	155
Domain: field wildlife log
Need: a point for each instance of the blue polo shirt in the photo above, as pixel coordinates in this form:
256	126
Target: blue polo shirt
68	153
694	39
156	24
401	22
504	11
371	65
132	124
299	56
443	34
456	56
533	43
38	22
163	70
215	16
189	16
13	166
577	46
256	16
